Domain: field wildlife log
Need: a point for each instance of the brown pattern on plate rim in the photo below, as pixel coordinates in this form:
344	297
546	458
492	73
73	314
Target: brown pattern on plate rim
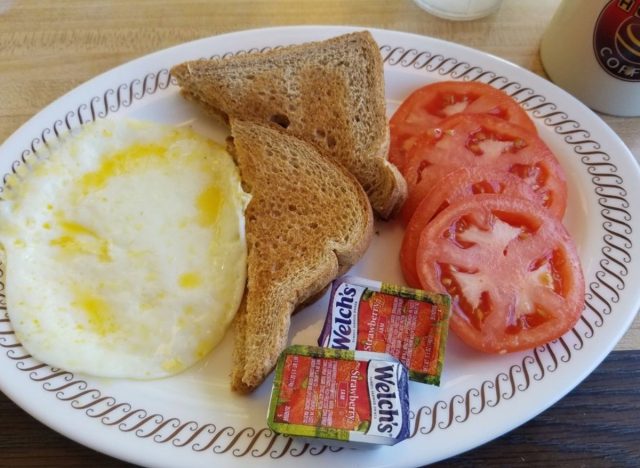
518	378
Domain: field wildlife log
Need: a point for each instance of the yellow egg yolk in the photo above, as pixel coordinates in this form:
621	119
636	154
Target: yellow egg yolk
78	239
99	315
121	162
190	280
209	203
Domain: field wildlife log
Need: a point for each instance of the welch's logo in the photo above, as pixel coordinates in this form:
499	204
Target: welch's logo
344	316
386	409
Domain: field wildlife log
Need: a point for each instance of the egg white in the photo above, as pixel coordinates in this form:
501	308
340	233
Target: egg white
125	250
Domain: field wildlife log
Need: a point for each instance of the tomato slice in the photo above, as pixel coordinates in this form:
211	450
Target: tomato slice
428	106
469	140
456	185
511	269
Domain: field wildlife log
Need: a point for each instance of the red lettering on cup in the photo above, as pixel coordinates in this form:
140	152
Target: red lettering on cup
616	39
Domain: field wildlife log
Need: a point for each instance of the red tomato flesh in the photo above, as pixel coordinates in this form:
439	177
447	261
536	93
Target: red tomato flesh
469	140
454	186
426	107
511	269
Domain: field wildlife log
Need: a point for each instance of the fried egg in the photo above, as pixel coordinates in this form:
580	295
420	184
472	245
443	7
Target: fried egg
125	250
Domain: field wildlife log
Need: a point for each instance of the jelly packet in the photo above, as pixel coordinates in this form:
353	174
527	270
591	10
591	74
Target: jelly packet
409	324
346	397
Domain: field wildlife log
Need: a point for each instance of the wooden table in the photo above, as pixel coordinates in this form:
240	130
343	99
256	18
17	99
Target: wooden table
48	48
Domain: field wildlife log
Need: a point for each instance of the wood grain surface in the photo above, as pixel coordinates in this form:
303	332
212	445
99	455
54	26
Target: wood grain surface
49	48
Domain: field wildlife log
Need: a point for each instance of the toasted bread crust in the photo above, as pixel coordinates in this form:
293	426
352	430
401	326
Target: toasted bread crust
328	93
308	221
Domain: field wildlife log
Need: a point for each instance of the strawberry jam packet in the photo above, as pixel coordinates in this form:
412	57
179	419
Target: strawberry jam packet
409	324
343	396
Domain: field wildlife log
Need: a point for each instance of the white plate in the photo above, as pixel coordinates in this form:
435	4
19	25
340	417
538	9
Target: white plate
194	420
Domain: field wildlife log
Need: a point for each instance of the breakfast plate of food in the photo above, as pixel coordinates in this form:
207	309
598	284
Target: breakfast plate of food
170	227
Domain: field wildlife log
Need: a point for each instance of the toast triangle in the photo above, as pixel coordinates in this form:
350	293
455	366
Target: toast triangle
329	93
308	221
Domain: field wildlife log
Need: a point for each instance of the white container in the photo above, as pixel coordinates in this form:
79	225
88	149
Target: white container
460	9
592	50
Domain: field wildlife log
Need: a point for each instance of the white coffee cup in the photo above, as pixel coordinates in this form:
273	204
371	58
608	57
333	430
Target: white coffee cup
592	50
